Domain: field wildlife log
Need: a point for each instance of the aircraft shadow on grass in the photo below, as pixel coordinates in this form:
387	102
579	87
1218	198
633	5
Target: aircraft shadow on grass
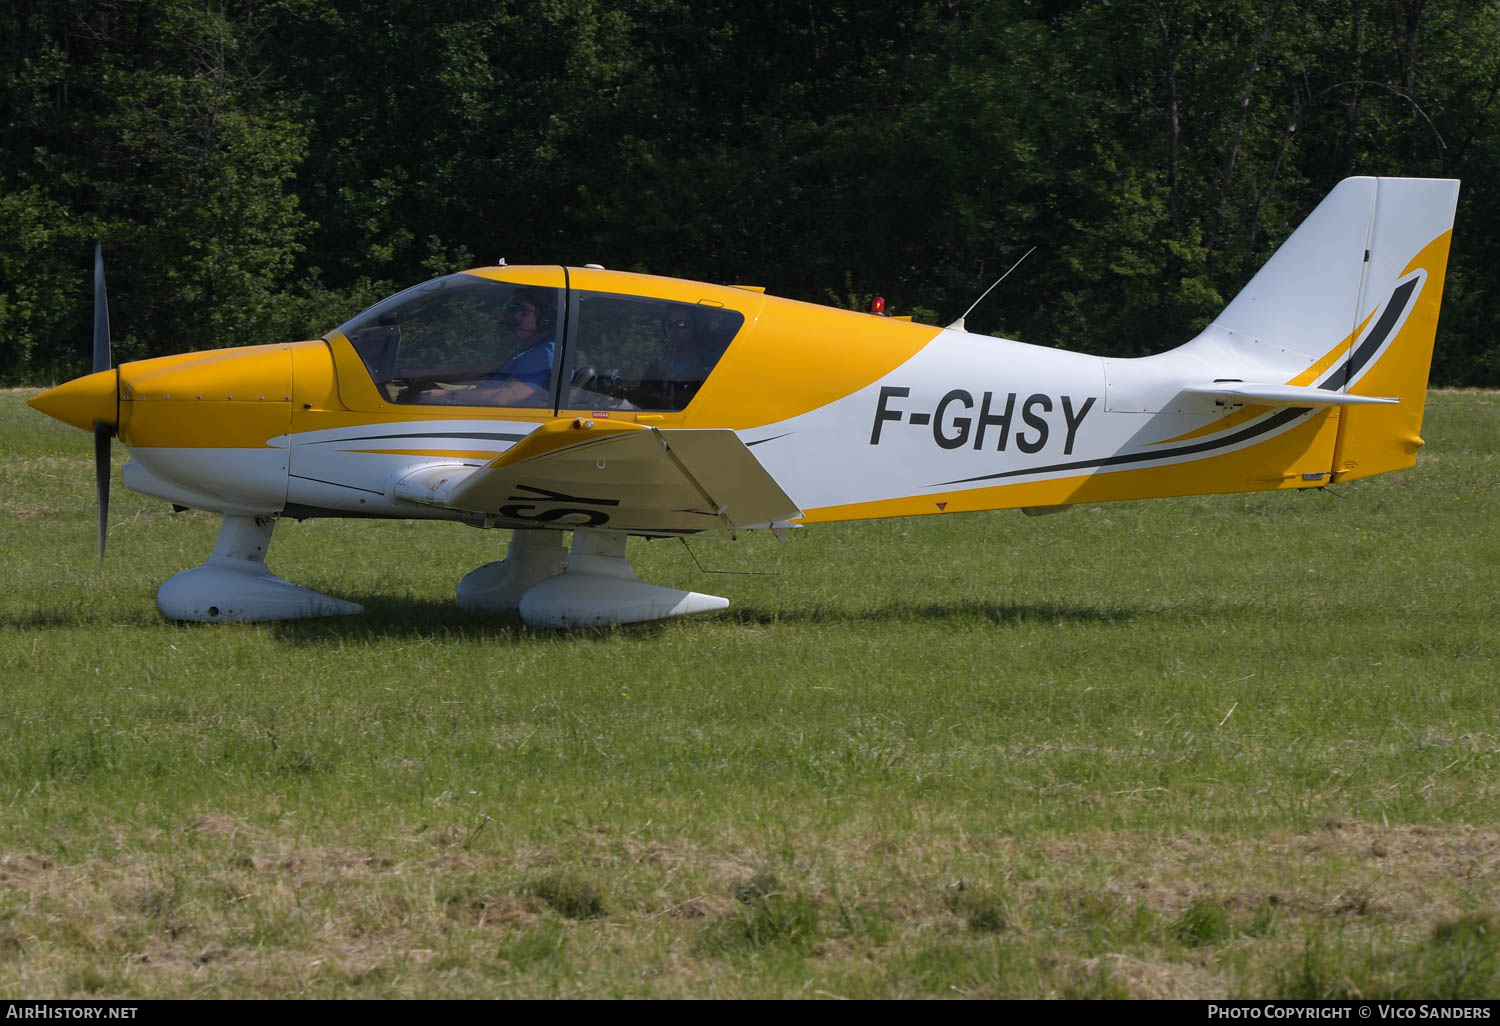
389	617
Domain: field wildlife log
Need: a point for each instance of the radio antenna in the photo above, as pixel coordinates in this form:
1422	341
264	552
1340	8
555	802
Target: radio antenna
958	325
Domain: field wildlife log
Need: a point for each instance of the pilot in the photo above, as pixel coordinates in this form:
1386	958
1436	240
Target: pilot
525	378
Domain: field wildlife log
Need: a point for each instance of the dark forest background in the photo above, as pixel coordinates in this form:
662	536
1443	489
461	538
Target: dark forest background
259	171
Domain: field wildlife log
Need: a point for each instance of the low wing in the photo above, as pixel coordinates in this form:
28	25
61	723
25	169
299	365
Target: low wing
632	477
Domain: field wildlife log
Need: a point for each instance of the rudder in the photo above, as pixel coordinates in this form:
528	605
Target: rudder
1401	292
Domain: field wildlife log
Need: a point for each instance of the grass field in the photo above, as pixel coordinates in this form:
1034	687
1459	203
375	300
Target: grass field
1226	746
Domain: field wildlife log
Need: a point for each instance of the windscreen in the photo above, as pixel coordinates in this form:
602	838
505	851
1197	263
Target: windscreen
462	340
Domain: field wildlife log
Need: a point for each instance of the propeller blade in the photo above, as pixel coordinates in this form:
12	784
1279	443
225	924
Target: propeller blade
102	434
102	359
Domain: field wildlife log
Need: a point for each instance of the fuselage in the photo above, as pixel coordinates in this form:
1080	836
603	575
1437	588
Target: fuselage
853	415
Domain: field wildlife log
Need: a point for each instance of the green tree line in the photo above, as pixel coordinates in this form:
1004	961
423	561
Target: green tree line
260	170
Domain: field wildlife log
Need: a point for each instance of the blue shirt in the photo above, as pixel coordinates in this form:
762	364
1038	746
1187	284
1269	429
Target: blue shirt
531	366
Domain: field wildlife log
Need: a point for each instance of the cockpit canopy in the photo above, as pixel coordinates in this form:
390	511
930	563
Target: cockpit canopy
471	340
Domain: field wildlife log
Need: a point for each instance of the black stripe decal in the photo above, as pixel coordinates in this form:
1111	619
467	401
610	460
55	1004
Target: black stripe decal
335	484
1394	308
1270	423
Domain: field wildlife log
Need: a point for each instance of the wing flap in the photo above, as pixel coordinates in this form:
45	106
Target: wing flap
626	477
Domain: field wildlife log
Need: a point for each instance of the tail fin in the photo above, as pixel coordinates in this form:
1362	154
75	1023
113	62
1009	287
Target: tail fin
1349	304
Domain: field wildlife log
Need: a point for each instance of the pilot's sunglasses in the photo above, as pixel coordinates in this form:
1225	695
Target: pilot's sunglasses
516	308
678	324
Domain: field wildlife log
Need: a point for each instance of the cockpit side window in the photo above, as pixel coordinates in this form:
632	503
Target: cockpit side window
630	352
462	341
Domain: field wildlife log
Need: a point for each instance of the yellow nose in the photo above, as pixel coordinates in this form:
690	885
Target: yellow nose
82	401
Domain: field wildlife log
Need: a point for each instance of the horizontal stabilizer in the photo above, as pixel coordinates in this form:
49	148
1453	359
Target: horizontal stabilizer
633	479
1282	395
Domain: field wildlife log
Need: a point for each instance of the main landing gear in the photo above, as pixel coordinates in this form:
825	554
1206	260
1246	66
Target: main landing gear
547	585
592	586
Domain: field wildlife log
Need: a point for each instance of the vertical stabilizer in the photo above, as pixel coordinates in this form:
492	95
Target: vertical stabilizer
1349	303
1305	299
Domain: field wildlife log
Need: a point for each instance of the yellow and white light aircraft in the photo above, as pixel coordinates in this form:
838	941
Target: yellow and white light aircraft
553	399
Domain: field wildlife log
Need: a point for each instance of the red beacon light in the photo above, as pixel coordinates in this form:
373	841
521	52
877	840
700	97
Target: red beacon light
877	305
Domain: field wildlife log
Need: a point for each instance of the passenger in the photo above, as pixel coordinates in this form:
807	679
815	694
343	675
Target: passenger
525	378
690	355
